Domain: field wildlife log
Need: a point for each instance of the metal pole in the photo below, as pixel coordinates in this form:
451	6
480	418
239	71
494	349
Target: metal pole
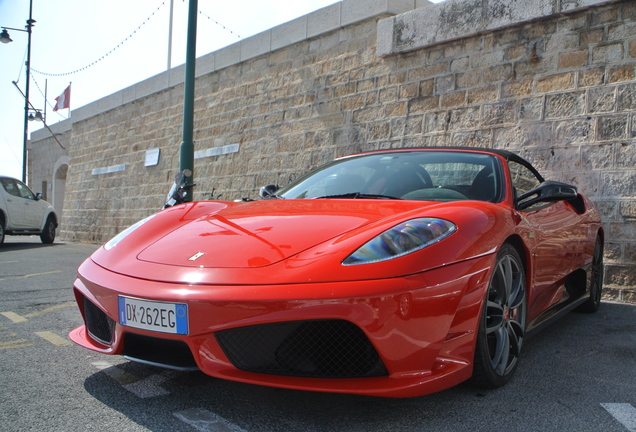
186	156
170	34
30	22
46	92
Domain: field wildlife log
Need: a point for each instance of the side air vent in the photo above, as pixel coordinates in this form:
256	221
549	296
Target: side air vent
316	348
100	326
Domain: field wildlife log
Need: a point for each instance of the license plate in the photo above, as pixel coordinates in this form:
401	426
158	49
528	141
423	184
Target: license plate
151	315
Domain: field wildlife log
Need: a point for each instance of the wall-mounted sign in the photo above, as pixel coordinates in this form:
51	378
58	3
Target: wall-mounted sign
152	157
217	151
110	169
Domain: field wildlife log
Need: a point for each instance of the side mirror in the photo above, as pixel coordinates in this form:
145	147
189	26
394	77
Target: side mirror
38	196
268	191
546	192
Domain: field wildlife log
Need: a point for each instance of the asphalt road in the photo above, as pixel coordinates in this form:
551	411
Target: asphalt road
578	375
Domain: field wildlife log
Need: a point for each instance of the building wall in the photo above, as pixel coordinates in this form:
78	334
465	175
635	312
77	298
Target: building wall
553	81
48	164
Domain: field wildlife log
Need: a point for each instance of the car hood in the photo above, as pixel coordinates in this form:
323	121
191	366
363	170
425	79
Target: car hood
261	233
287	241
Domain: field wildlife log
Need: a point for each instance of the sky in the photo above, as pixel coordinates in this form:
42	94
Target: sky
101	47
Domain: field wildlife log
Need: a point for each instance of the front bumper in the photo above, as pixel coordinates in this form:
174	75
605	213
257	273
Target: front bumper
395	337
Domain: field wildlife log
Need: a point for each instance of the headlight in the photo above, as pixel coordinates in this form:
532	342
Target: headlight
402	239
119	237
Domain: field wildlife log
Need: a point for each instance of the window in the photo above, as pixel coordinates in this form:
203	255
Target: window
523	180
24	191
10	187
412	175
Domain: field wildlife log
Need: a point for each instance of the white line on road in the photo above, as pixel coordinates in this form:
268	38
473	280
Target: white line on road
148	387
50	309
121	376
20	318
143	388
14	317
624	413
53	338
19	343
30	275
206	421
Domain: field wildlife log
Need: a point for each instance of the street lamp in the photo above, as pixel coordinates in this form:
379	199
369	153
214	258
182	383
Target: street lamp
5	38
186	150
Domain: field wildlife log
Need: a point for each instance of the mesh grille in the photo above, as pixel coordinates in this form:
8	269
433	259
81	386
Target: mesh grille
318	348
100	326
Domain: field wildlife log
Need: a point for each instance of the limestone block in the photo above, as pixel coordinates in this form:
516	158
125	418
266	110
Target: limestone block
256	45
205	64
454	19
289	33
324	20
612	127
627	97
357	10
228	56
561	105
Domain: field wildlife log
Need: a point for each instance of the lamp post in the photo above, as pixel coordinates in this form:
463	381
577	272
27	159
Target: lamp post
186	155
5	38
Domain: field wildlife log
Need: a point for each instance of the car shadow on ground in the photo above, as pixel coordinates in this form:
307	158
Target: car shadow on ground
16	245
555	363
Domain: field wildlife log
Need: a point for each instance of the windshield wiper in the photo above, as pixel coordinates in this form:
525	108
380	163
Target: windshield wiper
356	195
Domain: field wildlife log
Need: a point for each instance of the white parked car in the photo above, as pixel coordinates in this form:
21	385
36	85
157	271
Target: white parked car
24	213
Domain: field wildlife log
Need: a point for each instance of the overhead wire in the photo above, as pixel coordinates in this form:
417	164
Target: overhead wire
43	120
124	41
22	64
105	55
49	104
18	159
219	24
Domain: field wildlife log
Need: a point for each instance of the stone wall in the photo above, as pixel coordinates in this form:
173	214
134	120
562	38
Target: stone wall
48	163
557	86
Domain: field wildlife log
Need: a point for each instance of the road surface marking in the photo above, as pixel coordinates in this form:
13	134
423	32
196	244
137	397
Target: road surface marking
50	309
141	387
19	343
624	413
122	377
31	275
24	318
6	334
206	421
14	317
53	338
8	262
148	387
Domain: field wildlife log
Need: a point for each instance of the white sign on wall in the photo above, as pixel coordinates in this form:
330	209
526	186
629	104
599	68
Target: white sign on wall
152	157
108	170
216	151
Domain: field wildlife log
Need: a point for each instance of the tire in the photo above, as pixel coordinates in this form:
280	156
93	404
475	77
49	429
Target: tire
48	233
502	323
592	304
1	232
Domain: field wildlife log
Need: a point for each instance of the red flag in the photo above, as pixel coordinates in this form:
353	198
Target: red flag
63	100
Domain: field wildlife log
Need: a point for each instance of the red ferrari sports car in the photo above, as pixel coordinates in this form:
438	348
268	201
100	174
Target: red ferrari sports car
391	273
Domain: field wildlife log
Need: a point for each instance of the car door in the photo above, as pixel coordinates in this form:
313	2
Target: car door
557	242
32	209
14	204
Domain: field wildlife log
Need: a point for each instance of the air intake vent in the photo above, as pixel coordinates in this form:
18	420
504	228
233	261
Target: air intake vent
100	326
317	348
168	353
